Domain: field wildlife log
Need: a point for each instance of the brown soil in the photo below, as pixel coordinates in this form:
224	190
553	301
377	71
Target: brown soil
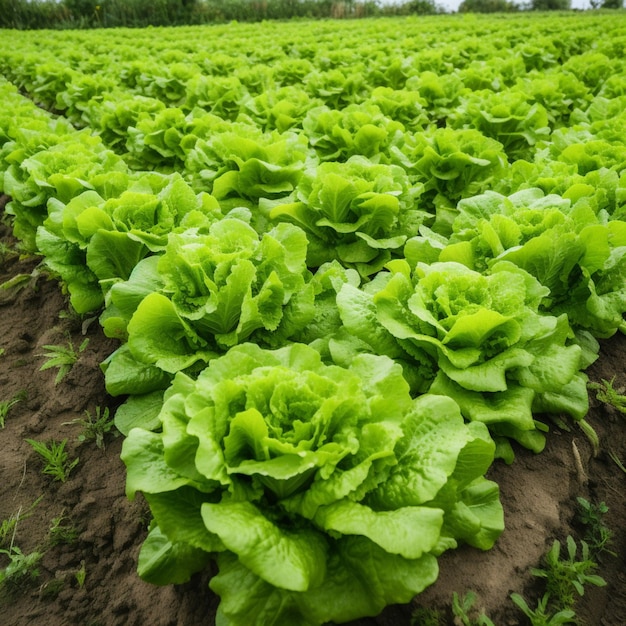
538	494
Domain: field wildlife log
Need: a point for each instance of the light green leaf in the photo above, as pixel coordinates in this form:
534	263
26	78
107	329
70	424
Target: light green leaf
139	411
157	335
286	558
162	562
179	518
143	454
408	531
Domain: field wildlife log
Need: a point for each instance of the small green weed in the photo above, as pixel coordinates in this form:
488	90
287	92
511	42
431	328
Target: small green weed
542	616
566	577
565	582
78	319
588	430
8	526
7	405
597	535
22	569
427	617
591	434
7	252
62	357
96	426
462	607
56	461
61	531
80	575
617	461
21	281
52	588
607	393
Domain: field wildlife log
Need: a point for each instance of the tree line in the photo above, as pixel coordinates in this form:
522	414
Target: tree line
34	14
508	6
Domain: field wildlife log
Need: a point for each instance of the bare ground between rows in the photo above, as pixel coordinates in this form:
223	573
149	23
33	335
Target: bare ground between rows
538	494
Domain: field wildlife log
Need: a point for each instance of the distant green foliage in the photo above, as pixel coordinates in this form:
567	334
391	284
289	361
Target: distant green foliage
138	12
487	6
551	5
421	7
81	7
34	14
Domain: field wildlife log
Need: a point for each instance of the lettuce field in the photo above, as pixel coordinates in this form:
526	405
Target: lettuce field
314	322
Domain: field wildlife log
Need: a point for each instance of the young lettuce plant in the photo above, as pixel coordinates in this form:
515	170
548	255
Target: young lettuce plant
325	492
57	172
358	212
507	116
402	105
480	338
451	164
207	292
242	164
96	239
361	129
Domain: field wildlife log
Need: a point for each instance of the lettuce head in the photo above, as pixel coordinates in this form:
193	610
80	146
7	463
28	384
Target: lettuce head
490	347
325	493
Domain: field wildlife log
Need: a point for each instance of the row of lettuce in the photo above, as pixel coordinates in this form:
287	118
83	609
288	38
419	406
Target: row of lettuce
325	348
345	96
324	491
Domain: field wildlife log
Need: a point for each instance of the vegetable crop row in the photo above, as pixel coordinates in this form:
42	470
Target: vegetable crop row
331	318
92	86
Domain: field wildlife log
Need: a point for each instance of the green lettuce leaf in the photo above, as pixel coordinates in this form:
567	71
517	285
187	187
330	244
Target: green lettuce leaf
163	562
